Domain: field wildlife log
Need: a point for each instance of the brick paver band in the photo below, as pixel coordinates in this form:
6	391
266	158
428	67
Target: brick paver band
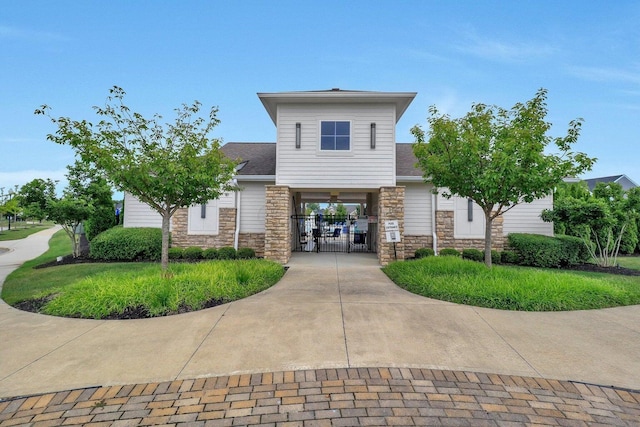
334	397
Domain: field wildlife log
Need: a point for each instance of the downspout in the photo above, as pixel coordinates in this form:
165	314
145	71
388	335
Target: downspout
434	234
236	237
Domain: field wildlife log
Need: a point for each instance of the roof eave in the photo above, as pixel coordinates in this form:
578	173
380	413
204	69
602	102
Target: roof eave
270	101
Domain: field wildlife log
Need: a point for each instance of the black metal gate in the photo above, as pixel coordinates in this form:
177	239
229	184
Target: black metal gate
331	233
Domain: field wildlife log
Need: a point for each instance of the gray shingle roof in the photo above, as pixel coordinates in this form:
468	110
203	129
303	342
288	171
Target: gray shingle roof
260	158
622	179
406	161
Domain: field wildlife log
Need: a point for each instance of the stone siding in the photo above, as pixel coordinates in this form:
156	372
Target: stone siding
277	239
446	239
225	237
390	207
254	241
411	243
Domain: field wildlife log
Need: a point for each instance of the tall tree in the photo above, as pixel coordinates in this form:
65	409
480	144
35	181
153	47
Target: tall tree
85	182
496	157
167	167
34	196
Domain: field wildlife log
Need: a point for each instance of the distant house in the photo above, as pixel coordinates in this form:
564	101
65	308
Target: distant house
336	146
623	180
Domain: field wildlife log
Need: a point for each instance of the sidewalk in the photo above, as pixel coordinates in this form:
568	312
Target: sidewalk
330	313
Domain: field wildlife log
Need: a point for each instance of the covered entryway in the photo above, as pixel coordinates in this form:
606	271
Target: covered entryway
331	233
334	221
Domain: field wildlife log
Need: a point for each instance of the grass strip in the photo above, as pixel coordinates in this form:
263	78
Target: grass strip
22	231
512	288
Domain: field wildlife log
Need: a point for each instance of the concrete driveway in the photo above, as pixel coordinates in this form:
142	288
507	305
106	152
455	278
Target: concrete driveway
329	310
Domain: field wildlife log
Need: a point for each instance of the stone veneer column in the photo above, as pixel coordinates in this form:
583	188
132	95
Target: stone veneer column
390	207
277	239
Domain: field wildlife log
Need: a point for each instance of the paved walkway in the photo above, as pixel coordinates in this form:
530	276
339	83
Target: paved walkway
342	336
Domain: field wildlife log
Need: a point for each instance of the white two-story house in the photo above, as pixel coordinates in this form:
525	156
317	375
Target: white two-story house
333	147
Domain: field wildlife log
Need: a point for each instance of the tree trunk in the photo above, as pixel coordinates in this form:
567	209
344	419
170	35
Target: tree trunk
487	238
164	259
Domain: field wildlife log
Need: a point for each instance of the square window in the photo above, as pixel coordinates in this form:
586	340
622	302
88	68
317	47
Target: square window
335	135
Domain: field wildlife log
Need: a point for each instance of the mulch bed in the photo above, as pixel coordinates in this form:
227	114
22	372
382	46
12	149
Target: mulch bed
609	270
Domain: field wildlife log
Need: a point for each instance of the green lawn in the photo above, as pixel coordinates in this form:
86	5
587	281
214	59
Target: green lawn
21	230
629	262
513	288
97	290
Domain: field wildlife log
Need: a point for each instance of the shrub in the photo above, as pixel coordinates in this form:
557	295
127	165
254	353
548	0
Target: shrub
175	253
424	252
496	257
227	252
574	249
246	253
449	252
127	244
193	253
536	250
509	257
472	254
544	251
210	253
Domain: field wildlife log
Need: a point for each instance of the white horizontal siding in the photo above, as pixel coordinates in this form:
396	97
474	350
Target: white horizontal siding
417	209
462	227
197	225
253	202
525	218
445	204
138	214
360	167
209	225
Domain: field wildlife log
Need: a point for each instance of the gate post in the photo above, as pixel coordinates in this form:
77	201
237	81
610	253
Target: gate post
277	238
390	207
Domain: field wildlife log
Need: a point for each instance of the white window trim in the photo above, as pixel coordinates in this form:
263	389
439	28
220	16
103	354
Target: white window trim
335	152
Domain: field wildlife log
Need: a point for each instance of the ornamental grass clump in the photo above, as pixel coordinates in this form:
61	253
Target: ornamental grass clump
188	287
512	288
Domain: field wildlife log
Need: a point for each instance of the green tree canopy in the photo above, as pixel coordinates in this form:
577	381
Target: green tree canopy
167	167
86	183
34	195
497	157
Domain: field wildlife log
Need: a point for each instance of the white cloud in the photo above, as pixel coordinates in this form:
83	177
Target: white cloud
607	74
15	33
499	50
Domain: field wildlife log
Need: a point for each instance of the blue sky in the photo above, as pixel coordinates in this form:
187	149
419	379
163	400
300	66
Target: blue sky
164	53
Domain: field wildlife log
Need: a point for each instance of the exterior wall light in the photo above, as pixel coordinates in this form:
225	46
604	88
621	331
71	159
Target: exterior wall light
373	135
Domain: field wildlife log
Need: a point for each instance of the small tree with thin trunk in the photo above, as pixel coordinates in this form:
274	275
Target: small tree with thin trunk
167	167
496	157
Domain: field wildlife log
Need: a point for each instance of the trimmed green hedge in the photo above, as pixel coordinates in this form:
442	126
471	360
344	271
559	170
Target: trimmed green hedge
127	244
192	253
473	255
423	252
449	252
246	253
544	251
210	253
175	253
227	252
